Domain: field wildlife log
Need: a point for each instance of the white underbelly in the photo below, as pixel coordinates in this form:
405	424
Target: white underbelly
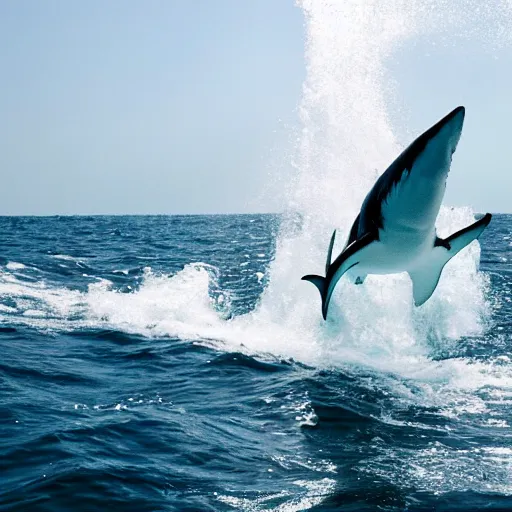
395	252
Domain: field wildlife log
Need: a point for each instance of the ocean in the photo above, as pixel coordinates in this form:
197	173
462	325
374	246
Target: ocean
149	365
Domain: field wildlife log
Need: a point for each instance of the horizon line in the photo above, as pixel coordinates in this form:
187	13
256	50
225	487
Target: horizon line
43	215
218	214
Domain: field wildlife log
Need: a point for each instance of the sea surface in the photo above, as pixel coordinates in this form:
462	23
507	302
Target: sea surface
138	373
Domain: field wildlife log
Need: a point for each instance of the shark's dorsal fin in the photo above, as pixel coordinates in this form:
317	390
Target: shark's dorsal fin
354	230
329	252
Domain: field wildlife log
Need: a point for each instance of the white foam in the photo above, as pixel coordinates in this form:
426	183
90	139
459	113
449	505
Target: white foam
441	468
179	305
64	257
307	494
13	265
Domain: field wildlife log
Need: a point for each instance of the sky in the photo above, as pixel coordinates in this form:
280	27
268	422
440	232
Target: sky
163	107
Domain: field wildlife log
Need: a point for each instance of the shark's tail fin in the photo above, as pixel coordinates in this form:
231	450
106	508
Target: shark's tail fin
320	283
425	278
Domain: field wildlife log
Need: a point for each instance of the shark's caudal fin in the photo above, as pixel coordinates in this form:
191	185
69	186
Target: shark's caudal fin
319	282
349	258
425	278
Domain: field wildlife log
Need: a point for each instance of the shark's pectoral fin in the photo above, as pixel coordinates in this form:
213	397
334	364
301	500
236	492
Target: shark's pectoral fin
426	277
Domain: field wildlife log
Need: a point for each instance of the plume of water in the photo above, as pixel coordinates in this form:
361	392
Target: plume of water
347	140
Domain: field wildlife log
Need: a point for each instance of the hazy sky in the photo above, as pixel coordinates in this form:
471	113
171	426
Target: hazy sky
186	106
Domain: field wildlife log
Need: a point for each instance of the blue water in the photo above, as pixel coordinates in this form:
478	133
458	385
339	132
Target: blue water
131	380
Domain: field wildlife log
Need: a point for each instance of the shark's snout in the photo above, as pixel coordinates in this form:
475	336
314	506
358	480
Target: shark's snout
450	127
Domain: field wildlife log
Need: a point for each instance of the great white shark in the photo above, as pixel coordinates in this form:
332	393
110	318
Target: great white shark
395	229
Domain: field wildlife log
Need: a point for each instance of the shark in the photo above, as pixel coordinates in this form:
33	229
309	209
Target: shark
395	229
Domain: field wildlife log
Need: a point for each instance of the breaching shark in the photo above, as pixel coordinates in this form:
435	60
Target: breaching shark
395	229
